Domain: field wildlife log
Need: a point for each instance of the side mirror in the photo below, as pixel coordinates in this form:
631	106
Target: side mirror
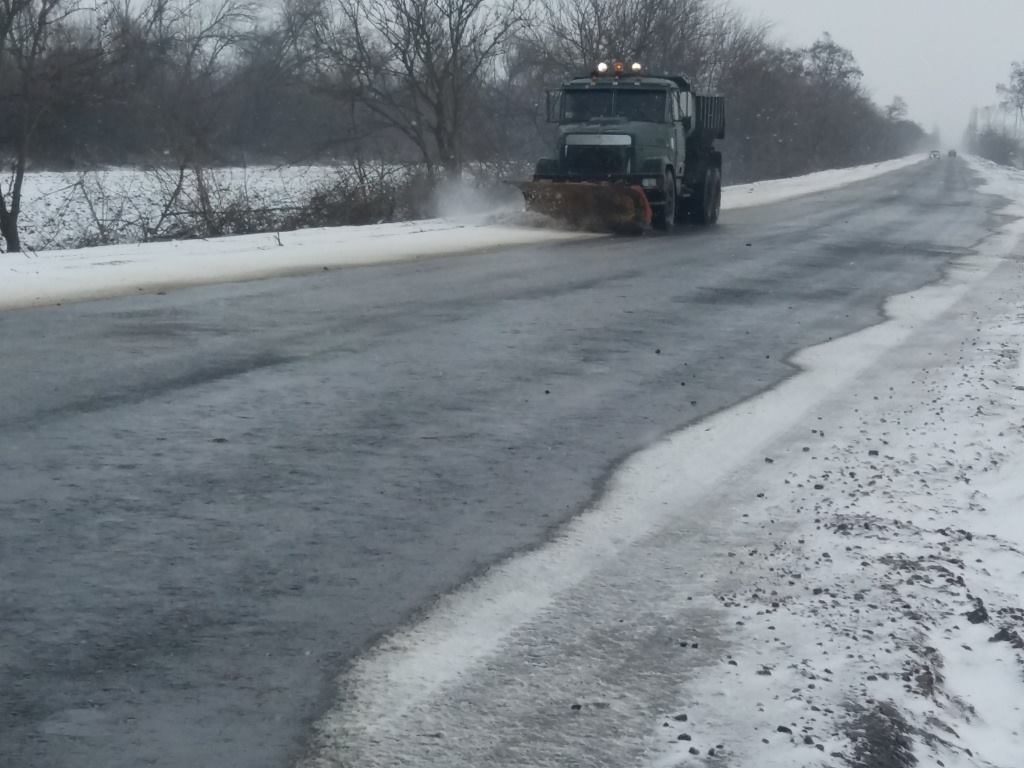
554	107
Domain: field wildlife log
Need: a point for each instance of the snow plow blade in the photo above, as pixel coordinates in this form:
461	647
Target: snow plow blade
593	206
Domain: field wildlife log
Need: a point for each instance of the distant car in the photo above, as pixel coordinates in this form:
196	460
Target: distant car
934	154
952	153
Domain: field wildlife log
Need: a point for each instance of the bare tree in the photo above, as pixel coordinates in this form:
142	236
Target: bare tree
1012	95
414	64
177	55
727	42
664	35
831	65
897	110
27	28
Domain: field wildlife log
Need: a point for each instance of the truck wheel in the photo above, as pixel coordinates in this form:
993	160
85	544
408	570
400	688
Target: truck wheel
715	206
708	206
664	216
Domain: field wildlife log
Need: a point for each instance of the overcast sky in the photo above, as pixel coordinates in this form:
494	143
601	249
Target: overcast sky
942	56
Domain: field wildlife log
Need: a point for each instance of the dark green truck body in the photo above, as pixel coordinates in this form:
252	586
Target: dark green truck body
638	130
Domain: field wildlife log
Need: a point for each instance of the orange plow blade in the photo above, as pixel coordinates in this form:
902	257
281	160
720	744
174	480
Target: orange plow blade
593	206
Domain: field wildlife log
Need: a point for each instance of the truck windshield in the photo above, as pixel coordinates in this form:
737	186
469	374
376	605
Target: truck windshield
635	105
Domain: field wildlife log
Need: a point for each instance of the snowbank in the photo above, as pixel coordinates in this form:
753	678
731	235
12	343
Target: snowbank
764	192
52	277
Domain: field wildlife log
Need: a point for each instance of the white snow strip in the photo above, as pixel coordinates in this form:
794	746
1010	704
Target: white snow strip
699	535
777	190
52	277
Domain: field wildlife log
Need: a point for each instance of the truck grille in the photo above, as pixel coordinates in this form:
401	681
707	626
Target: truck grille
596	161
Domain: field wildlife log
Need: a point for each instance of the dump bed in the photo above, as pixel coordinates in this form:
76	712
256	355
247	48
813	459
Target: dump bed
710	116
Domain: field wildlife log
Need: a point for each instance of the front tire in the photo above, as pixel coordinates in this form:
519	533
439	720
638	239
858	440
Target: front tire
664	217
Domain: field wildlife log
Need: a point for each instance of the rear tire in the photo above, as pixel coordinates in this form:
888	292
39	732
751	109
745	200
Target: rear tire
708	205
664	216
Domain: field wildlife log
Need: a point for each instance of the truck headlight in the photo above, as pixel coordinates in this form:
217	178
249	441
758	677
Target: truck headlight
649	183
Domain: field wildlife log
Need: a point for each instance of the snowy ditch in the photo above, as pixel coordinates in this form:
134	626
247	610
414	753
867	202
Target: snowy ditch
826	575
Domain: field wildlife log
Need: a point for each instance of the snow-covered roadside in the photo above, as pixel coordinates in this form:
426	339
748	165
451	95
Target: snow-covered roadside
798	581
1000	180
777	190
51	277
884	625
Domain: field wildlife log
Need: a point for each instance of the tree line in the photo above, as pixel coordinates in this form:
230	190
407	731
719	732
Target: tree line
437	84
995	132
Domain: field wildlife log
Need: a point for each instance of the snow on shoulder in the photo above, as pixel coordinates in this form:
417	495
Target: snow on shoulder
52	277
777	190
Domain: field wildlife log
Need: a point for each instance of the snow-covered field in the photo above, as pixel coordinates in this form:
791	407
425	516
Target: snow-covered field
55	208
60	209
829	574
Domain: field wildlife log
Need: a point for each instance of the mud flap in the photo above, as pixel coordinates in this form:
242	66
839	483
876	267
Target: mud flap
594	206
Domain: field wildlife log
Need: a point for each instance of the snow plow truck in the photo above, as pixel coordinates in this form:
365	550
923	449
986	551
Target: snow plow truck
634	150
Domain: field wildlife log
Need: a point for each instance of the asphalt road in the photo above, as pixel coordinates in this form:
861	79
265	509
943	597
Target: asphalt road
211	499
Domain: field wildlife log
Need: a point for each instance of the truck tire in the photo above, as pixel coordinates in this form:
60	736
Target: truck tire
708	205
664	216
